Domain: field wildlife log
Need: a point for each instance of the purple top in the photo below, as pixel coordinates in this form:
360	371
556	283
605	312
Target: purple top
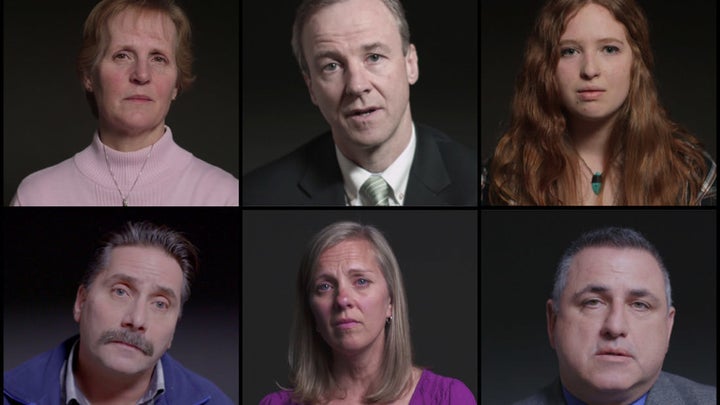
431	389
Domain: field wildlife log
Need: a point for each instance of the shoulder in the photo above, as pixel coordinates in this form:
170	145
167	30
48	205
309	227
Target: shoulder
708	190
215	185
295	162
38	379
670	389
185	385
46	184
434	388
456	154
549	395
290	179
278	398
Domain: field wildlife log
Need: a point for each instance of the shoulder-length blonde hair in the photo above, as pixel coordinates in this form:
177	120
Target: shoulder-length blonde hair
652	159
310	356
96	38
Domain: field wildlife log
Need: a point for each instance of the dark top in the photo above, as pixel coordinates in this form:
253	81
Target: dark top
443	172
707	194
669	389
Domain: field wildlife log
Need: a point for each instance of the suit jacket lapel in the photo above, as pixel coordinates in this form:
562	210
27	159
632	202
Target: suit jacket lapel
322	180
428	174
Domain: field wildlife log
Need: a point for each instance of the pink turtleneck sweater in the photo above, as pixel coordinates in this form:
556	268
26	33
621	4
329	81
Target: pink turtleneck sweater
171	177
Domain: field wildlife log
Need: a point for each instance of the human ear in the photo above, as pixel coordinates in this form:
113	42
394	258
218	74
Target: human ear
87	82
80	299
551	319
308	83
412	68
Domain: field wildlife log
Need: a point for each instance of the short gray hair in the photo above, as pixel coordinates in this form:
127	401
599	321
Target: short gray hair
146	234
309	7
606	237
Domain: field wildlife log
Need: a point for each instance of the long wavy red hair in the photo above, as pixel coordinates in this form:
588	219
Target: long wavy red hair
654	160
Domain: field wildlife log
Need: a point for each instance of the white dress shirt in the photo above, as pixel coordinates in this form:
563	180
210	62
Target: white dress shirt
396	175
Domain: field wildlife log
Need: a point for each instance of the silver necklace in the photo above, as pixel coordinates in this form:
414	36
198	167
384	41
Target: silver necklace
596	182
125	197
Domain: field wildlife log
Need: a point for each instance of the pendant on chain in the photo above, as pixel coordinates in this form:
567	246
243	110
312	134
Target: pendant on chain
596	183
125	201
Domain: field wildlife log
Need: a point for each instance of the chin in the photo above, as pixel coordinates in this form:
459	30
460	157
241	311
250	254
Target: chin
613	381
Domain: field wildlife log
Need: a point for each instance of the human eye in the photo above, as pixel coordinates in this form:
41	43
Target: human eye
362	282
119	292
374	57
161	304
159	58
121	56
568	51
323	287
331	67
591	303
611	49
640	305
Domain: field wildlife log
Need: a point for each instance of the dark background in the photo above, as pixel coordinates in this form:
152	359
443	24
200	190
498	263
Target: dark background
47	250
437	253
683	40
519	253
46	118
278	116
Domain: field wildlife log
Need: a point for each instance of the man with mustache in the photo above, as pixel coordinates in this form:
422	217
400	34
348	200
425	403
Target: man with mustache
358	65
127	306
609	321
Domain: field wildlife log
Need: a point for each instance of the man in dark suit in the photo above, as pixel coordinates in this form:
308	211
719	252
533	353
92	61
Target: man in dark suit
609	320
358	64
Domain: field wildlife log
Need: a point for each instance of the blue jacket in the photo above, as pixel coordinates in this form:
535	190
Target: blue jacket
37	381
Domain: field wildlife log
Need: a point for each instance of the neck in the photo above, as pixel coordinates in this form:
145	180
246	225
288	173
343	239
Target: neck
355	373
377	158
101	385
591	140
130	140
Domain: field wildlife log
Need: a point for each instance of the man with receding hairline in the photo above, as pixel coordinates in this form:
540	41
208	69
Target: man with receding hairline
358	64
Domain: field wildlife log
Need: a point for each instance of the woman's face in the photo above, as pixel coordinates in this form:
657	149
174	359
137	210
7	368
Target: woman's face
350	298
135	80
595	63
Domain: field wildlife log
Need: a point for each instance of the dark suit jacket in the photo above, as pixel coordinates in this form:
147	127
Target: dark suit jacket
443	173
669	389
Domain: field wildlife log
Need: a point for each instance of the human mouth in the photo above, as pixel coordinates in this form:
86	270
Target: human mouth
139	98
363	114
590	93
611	354
346	323
127	345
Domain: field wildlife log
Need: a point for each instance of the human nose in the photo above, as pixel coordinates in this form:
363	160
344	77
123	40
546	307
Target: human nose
343	298
135	316
357	81
140	73
589	68
615	324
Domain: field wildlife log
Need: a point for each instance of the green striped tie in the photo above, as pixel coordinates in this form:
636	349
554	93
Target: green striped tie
375	191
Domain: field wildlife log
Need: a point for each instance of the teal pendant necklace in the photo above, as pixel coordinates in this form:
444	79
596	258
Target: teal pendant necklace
596	182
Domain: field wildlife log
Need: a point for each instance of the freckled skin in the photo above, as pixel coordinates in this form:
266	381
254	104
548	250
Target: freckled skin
355	78
340	293
592	63
139	59
590	322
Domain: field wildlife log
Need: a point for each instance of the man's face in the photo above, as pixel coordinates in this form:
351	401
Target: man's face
358	75
613	327
128	314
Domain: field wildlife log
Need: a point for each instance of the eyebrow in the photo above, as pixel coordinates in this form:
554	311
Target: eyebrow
601	40
120	277
332	54
603	289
